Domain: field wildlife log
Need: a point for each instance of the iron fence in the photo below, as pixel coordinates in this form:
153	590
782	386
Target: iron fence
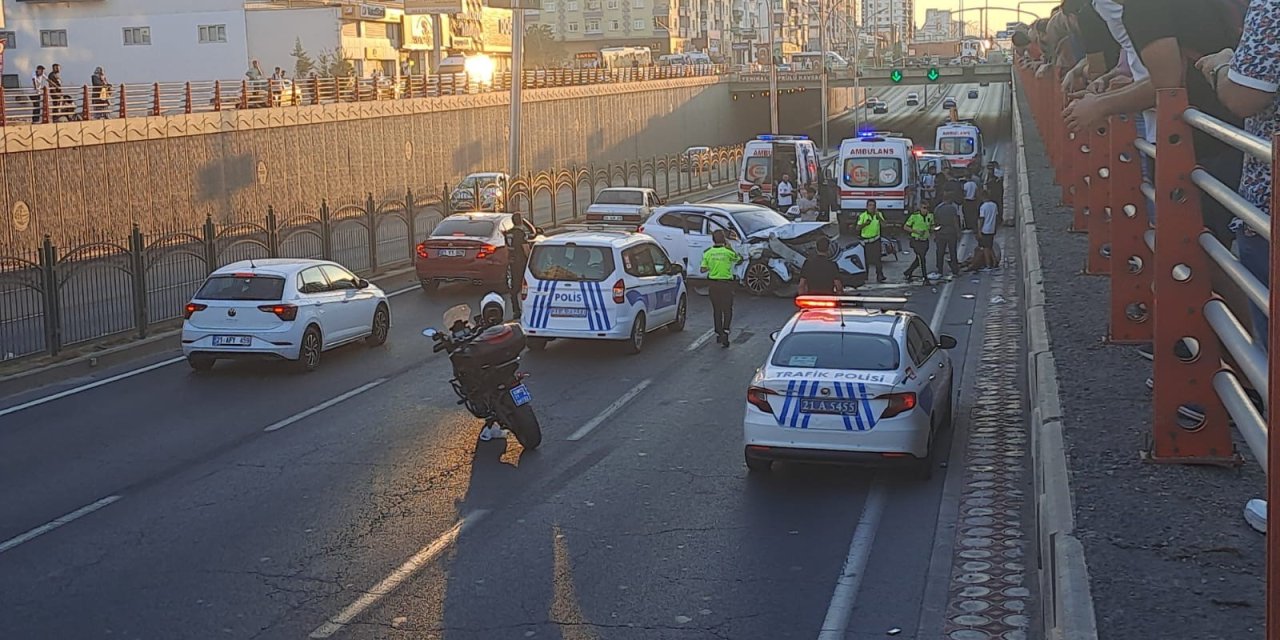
52	297
28	106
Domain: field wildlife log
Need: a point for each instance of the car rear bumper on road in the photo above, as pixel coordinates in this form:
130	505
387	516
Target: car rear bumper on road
907	434
472	271
268	346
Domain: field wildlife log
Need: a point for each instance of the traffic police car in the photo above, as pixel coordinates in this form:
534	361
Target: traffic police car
601	284
849	381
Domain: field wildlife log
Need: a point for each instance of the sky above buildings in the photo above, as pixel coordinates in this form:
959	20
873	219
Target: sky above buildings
997	19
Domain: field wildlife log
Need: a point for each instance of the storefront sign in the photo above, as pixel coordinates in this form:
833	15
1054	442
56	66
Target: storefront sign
372	11
419	7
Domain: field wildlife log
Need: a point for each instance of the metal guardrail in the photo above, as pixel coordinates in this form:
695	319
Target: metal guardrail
1203	351
27	106
54	297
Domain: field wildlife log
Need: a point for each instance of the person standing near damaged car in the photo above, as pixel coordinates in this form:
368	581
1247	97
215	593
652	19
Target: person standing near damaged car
718	263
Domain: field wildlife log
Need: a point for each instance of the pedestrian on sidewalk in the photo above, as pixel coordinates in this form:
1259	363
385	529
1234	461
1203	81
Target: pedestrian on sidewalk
820	275
920	225
946	219
101	94
39	85
718	263
869	224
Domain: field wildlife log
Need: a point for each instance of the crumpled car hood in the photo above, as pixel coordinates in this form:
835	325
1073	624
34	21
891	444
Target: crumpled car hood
794	230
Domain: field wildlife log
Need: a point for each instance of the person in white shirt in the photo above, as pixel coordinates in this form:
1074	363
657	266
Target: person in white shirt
39	82
971	203
929	186
986	259
785	191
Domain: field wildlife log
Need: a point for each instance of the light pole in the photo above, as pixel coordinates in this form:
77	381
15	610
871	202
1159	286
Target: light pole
822	46
773	74
517	79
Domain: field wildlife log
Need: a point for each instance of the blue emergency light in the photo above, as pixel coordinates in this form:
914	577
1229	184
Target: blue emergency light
771	138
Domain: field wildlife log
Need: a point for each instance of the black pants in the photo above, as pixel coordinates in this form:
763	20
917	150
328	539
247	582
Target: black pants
970	208
946	245
722	306
872	249
921	249
516	268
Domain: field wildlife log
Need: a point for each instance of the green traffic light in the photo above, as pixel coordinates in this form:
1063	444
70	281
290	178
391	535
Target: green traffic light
933	74
896	76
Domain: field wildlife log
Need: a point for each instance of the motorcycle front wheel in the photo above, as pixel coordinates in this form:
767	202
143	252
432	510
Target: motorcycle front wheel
523	423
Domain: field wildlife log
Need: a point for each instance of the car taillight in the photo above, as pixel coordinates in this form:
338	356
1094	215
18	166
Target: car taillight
619	292
898	403
758	397
285	312
421	250
486	251
640	229
524	290
191	308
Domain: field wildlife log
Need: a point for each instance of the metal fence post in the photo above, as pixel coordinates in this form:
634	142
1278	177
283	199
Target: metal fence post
273	233
326	232
1075	186
155	99
210	245
1273	396
409	223
188	98
1183	284
138	265
217	95
371	219
446	203
1097	165
49	285
86	112
1131	259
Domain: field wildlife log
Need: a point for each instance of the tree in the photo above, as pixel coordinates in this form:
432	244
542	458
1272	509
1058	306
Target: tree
334	64
541	49
303	65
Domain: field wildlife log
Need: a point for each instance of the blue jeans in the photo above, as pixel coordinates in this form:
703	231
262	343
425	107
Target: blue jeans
1254	252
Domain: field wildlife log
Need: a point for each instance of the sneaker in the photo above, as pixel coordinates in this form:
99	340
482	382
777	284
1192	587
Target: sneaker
492	432
882	279
935	276
1255	513
1146	351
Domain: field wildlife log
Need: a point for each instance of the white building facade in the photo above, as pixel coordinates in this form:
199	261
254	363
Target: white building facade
889	20
133	40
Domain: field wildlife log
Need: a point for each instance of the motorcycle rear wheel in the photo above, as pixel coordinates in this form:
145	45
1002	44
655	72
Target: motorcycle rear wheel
523	423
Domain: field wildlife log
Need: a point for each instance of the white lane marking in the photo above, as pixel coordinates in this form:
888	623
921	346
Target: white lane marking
397	577
610	410
840	609
46	528
92	385
324	405
702	339
836	623
403	291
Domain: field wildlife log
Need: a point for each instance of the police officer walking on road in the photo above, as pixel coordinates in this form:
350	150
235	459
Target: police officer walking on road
920	226
718	263
517	258
869	224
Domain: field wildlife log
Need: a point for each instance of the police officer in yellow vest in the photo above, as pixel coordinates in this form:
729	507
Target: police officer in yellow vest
869	224
920	226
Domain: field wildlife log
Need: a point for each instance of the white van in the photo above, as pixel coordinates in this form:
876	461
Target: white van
768	157
601	285
809	60
961	143
880	168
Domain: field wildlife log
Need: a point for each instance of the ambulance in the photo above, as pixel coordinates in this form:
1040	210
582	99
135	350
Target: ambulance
766	158
961	143
875	166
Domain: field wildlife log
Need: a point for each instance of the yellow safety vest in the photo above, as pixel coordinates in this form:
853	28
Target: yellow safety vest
920	225
872	230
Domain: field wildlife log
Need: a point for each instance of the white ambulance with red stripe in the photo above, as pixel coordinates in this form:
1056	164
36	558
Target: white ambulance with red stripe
961	143
875	166
766	158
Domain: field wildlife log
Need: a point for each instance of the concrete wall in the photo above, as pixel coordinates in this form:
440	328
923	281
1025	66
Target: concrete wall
73	180
95	37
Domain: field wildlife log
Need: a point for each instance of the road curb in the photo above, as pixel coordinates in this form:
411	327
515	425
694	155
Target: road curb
1065	593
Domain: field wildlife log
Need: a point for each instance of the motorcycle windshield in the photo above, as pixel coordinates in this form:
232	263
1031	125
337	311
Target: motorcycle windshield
460	312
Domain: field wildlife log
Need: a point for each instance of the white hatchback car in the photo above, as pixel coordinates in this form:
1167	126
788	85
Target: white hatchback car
290	309
847	382
601	285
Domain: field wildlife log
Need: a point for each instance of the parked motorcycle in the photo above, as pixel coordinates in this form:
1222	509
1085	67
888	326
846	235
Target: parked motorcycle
485	354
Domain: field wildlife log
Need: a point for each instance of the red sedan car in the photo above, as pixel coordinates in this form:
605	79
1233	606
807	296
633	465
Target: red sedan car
468	247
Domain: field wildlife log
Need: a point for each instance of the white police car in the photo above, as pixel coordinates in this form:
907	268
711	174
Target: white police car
601	285
850	382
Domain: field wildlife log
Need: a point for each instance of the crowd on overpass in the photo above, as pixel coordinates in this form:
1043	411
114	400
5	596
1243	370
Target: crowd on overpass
1113	57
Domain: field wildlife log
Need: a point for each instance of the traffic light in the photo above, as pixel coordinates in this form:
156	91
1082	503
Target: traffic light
933	74
896	75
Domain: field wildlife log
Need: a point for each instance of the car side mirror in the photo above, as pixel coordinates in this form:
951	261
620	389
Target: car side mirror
675	269
361	283
946	342
430	332
539	231
774	336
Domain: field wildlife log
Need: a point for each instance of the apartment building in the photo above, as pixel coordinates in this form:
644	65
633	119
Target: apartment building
939	25
891	21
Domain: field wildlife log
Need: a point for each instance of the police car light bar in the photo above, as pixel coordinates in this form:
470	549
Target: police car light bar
835	302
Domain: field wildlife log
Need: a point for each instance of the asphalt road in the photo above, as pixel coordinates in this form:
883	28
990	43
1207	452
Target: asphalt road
258	503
